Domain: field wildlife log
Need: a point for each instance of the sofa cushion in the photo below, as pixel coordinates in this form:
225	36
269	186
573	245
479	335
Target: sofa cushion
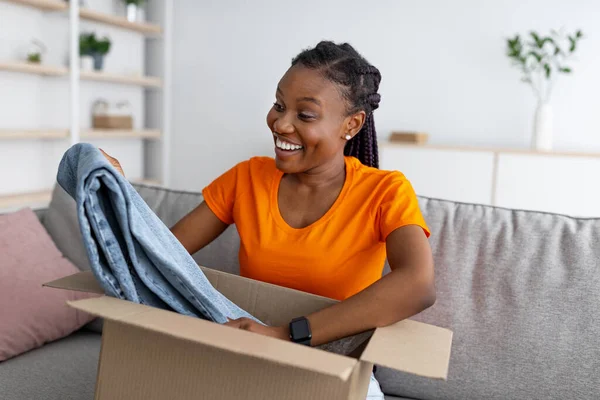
32	315
62	370
60	220
521	292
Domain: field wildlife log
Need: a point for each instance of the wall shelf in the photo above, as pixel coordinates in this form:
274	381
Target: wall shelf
146	81
98	76
47	5
140	27
120	134
145	28
34	200
29	68
17	134
144	144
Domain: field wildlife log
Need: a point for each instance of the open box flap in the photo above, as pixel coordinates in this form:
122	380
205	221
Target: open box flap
81	282
215	335
412	347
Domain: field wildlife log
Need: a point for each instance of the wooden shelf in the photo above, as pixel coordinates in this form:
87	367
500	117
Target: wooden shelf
30	68
16	134
141	27
32	199
147	81
120	134
47	5
49	70
145	28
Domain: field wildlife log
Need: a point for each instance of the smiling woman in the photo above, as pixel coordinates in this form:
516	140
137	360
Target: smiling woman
320	216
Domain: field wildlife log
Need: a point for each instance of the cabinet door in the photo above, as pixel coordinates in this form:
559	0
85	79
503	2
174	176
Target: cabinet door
457	175
560	184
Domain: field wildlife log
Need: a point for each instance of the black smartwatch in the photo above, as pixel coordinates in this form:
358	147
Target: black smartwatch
300	331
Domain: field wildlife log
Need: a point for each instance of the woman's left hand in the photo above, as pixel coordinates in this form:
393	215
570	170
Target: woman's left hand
248	324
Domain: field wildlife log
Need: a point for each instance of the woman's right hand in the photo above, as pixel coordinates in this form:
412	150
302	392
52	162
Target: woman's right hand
114	162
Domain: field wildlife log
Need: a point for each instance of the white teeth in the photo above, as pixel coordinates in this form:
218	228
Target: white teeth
286	146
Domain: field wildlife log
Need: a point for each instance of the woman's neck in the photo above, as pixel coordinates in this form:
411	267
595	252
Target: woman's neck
331	174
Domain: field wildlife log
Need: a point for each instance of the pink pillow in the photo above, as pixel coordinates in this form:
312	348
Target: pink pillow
31	315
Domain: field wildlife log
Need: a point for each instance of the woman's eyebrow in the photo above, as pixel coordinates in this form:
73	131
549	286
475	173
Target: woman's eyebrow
311	99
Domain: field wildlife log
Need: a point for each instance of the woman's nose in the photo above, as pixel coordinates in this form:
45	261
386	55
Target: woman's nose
283	125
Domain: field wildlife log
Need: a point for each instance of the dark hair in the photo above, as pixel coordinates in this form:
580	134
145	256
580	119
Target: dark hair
358	81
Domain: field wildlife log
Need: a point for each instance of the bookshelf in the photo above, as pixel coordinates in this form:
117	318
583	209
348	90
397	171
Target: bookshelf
57	94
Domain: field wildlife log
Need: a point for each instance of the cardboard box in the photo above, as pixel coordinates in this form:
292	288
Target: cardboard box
148	353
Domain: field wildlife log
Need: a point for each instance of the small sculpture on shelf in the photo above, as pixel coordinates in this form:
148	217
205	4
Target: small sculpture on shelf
91	48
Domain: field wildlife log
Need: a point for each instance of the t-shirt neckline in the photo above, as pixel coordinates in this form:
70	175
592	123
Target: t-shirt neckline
275	200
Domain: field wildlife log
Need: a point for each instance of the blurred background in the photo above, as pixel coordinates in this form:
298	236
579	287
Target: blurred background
178	90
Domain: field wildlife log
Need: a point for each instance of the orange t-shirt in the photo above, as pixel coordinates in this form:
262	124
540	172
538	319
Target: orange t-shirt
338	255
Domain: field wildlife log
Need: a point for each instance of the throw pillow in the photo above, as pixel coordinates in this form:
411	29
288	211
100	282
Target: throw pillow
32	315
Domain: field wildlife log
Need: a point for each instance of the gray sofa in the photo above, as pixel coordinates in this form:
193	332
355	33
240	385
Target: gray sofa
520	290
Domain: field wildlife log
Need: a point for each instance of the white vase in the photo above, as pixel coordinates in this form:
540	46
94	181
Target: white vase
86	63
132	12
542	128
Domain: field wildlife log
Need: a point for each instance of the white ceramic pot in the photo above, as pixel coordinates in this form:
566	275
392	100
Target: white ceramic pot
86	63
132	12
542	128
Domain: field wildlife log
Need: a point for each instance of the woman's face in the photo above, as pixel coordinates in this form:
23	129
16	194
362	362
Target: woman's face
308	121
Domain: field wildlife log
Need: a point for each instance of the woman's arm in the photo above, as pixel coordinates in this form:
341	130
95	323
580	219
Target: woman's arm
406	291
198	228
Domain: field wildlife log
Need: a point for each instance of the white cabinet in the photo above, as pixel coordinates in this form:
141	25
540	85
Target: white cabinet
560	184
564	183
440	173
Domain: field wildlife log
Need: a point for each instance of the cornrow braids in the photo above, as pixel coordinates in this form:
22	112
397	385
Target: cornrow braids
359	82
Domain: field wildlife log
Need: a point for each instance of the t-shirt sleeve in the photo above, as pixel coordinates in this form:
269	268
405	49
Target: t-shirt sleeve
220	194
399	207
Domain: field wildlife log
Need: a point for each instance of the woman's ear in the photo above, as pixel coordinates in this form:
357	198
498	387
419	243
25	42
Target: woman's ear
354	123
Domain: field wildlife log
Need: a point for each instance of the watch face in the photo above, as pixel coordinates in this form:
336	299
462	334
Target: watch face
300	330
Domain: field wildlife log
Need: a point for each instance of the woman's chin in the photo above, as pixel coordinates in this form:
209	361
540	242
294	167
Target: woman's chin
288	162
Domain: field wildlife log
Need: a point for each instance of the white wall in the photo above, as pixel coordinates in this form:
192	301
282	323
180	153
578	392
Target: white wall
443	66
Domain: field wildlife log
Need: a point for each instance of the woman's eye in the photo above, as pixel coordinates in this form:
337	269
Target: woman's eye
306	116
277	107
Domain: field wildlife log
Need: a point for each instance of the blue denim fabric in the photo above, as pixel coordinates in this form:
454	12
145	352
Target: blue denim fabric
132	254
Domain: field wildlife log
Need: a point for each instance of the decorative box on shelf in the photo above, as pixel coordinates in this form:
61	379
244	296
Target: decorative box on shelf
409	137
106	116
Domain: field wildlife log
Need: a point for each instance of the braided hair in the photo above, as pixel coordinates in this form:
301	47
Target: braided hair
359	83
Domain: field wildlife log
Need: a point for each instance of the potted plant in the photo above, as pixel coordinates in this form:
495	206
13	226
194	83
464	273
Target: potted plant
541	59
133	9
90	46
34	55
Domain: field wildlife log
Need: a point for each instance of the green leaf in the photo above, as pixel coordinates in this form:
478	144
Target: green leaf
579	34
535	55
566	70
557	50
548	70
539	43
573	45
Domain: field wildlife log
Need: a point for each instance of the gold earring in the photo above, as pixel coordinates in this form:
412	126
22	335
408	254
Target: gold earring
348	137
